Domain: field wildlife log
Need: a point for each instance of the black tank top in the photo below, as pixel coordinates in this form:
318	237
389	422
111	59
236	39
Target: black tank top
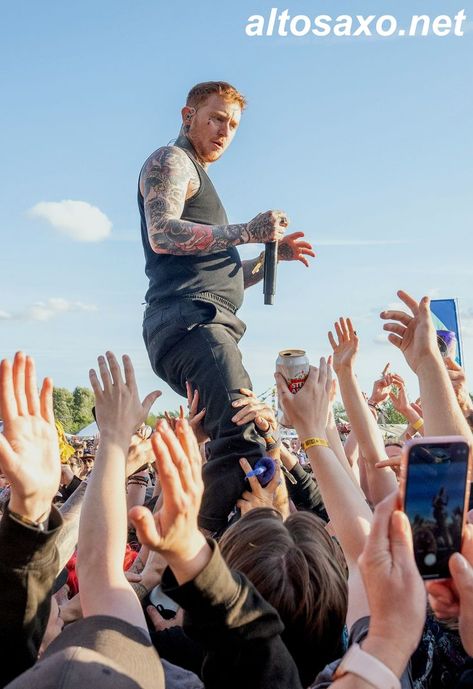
215	277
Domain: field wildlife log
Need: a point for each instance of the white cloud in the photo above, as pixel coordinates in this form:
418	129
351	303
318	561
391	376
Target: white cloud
78	220
381	340
46	310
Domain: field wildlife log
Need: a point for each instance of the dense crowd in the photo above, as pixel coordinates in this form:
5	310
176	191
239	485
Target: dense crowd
106	577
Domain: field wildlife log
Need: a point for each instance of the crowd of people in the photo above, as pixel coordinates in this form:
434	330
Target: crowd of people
107	576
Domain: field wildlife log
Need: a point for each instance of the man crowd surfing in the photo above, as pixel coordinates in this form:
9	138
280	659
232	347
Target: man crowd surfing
317	562
160	557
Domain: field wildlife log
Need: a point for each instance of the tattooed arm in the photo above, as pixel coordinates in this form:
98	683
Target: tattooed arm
166	180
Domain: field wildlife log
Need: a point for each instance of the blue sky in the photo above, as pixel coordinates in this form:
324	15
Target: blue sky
366	143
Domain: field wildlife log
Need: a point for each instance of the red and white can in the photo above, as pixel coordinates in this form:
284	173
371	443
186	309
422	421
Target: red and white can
293	365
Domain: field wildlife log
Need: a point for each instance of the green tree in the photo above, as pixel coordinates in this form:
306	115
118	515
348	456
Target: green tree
82	402
62	403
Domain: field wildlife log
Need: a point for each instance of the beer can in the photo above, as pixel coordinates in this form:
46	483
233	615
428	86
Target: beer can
293	365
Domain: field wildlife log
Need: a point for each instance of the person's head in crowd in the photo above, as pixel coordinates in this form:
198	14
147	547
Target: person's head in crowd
295	445
88	461
298	569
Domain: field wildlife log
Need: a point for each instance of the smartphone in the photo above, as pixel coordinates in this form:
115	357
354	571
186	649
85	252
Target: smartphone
435	488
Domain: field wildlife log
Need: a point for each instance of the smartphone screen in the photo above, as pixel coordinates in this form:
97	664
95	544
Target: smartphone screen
434	501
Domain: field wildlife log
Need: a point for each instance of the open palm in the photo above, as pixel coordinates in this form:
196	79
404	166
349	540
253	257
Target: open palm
345	345
29	449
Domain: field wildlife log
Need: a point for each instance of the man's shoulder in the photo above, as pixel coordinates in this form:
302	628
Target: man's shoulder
166	156
166	162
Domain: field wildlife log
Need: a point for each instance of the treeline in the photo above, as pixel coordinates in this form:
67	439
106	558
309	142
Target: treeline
73	409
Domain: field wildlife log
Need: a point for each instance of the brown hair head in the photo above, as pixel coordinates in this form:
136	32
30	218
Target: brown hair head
298	569
200	92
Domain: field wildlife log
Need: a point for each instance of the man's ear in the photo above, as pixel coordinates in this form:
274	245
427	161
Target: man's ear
187	114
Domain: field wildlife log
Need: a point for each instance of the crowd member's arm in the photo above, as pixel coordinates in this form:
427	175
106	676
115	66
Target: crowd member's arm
381	481
251	408
70	513
302	489
403	406
396	599
457	376
29	457
349	513
103	586
454	597
415	336
238	629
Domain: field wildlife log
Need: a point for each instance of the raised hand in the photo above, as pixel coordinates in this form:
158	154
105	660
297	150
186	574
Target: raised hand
345	347
381	387
400	401
195	417
266	227
173	530
251	408
457	375
117	403
293	248
29	448
413	334
259	496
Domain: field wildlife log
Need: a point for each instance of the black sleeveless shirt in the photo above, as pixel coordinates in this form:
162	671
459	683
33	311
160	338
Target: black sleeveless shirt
214	277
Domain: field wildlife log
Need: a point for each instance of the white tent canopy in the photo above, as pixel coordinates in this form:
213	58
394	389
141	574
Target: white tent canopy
89	431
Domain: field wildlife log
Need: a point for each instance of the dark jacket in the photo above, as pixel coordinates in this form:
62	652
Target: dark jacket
28	568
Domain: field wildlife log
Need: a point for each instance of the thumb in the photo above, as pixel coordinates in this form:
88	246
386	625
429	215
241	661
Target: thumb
400	536
462	574
149	400
143	521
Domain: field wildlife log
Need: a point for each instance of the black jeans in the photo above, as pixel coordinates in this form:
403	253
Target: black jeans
198	341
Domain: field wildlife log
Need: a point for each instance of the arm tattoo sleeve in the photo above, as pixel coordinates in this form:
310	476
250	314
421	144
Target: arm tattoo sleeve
165	180
69	534
253	270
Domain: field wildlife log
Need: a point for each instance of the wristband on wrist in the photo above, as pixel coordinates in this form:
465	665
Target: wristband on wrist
314	442
367	667
418	424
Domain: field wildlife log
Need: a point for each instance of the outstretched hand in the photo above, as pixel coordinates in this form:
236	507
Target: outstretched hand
29	448
293	248
117	403
413	334
345	347
259	496
251	408
173	530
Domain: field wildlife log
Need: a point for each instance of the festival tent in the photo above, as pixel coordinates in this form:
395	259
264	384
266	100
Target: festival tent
89	431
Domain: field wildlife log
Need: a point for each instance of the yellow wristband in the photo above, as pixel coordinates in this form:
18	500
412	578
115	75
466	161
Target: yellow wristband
418	424
314	442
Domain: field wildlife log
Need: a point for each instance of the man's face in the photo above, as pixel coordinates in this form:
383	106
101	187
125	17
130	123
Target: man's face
213	127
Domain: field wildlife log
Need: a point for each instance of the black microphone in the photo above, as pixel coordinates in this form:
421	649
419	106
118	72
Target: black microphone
270	270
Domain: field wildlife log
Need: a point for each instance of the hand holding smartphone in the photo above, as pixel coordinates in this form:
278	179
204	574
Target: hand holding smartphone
435	488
